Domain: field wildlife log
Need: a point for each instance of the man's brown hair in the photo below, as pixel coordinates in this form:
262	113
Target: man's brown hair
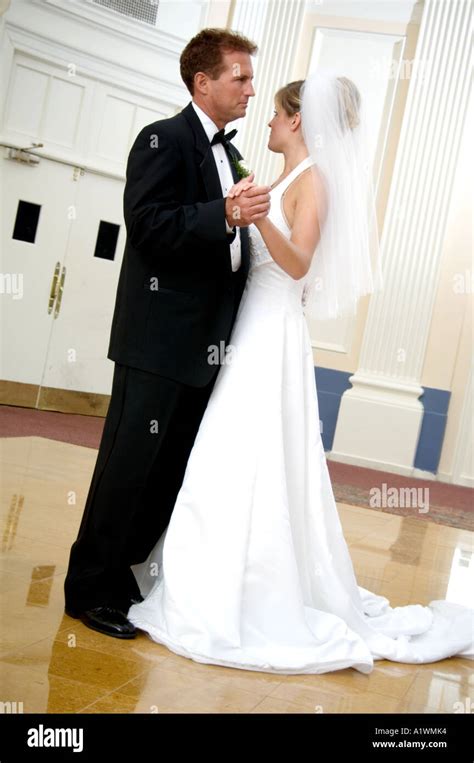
204	53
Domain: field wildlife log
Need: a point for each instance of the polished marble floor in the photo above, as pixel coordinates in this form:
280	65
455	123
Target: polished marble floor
51	663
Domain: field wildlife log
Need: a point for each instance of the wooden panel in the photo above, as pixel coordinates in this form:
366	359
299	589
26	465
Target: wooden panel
71	401
16	393
51	399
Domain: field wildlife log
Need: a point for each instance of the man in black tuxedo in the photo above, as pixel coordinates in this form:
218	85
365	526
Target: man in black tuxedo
183	273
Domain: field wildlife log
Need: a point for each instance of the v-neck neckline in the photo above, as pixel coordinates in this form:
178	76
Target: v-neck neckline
290	173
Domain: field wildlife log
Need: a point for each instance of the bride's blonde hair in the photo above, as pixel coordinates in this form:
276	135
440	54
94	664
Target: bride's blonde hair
288	98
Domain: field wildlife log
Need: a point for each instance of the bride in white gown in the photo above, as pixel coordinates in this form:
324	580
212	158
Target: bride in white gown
253	571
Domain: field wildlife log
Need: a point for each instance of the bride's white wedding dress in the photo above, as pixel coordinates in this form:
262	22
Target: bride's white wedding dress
253	570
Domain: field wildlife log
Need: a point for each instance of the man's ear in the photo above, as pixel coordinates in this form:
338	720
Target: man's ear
200	82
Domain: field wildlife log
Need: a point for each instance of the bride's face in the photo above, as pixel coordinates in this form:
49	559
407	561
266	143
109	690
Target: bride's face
283	129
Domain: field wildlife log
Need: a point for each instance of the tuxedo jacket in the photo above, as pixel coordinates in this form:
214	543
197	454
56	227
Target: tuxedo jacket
177	295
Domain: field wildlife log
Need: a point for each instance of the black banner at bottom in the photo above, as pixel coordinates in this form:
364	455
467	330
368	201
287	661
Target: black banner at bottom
94	737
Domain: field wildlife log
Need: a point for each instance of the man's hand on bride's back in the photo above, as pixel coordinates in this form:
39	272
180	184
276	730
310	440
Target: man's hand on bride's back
247	202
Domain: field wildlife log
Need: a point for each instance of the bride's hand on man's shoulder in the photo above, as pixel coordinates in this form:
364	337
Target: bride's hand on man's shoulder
243	185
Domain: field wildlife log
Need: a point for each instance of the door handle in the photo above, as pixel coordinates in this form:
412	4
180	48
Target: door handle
60	292
54	287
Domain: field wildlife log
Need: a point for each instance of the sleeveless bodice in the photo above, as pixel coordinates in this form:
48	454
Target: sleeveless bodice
264	271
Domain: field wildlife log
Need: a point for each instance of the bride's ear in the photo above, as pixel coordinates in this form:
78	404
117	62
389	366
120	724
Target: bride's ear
296	120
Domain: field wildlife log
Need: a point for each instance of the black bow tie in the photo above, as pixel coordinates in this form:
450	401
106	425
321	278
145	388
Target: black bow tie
220	137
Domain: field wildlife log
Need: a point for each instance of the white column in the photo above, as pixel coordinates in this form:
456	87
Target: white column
463	467
380	417
275	26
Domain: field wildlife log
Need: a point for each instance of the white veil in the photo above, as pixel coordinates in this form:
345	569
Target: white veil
346	262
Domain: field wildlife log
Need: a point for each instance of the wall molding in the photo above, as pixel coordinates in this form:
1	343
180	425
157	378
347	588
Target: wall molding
94	67
119	26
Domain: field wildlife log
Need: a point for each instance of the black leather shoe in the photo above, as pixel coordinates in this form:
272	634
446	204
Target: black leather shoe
76	613
107	620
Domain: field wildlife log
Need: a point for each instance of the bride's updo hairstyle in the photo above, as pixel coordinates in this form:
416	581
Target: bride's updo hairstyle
289	99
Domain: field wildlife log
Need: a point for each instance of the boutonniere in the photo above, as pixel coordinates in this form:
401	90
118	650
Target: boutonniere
242	170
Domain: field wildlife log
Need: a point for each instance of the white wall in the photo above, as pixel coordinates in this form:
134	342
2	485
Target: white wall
83	80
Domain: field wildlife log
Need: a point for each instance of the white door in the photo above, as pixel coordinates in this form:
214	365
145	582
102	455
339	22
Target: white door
62	242
77	353
35	227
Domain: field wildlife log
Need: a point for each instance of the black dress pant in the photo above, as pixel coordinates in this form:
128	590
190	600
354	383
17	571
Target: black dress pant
149	432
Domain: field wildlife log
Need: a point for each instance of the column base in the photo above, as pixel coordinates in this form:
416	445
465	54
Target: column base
379	424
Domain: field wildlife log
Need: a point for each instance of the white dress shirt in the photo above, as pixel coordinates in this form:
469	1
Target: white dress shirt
225	176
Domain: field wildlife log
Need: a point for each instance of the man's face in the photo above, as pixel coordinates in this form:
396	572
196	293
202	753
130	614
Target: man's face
227	98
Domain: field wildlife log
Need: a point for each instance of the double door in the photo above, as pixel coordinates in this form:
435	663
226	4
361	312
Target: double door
62	241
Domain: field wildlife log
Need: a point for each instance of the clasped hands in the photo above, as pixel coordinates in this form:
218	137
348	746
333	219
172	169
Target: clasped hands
247	202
